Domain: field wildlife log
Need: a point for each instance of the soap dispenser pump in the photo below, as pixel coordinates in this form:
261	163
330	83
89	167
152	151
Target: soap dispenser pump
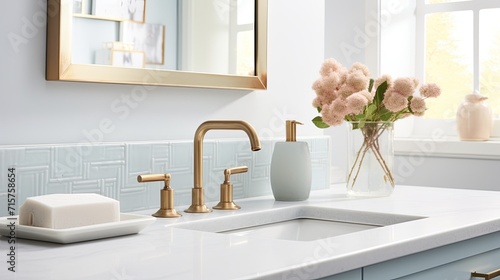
291	167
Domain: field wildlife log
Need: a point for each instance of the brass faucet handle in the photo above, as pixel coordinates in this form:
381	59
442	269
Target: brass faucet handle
155	178
235	170
226	189
166	195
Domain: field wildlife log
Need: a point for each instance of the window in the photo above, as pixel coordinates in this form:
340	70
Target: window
242	37
455	45
460	39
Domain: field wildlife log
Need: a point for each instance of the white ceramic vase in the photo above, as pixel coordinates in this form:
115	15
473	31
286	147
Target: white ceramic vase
474	118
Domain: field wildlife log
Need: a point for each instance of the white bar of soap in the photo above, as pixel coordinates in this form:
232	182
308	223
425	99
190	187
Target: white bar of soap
60	211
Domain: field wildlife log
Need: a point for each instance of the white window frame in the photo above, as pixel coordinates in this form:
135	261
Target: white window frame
434	137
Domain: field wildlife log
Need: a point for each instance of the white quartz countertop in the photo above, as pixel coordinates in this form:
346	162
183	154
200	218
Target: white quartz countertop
163	251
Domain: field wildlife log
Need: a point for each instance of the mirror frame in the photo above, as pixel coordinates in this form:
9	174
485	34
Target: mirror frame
60	68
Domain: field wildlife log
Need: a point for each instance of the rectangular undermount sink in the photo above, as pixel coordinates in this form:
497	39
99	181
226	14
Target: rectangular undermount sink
301	229
299	223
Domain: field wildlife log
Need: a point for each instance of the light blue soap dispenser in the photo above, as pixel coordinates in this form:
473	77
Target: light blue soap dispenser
291	167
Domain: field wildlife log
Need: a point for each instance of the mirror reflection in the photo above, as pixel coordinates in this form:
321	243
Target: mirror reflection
205	36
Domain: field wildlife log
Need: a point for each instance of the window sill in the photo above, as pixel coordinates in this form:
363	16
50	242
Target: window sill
450	147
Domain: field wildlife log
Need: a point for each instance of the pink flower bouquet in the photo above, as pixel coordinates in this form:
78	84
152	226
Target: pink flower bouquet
351	95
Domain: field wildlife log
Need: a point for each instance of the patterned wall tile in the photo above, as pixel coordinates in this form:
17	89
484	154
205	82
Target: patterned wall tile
112	170
67	162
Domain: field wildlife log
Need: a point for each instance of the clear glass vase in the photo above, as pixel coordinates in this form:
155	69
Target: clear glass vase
370	156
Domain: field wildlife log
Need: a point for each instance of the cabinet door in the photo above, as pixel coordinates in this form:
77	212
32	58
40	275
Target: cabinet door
460	270
481	254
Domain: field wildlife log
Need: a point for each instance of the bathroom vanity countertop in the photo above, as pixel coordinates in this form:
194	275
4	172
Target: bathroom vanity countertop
162	251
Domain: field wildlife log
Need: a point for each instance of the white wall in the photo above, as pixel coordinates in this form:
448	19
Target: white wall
344	31
36	111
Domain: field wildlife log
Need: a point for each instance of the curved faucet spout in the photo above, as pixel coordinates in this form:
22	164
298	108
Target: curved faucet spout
198	199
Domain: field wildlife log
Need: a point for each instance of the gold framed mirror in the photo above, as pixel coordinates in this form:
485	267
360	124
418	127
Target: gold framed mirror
61	67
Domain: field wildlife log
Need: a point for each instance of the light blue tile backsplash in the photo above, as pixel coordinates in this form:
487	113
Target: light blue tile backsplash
112	170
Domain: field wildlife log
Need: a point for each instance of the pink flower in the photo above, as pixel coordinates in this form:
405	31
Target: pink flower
317	86
328	98
394	102
339	106
330	116
345	90
380	80
417	104
430	90
360	67
404	86
357	81
356	103
325	94
331	65
333	81
317	102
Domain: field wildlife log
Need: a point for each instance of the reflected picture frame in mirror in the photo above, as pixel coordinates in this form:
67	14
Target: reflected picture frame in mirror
60	67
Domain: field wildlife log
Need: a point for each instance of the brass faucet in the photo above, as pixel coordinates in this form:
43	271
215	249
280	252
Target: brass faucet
198	197
167	209
226	189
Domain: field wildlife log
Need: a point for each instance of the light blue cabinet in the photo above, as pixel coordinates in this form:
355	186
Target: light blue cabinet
451	262
461	270
454	262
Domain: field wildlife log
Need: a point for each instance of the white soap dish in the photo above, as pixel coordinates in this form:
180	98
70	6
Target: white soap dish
128	224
